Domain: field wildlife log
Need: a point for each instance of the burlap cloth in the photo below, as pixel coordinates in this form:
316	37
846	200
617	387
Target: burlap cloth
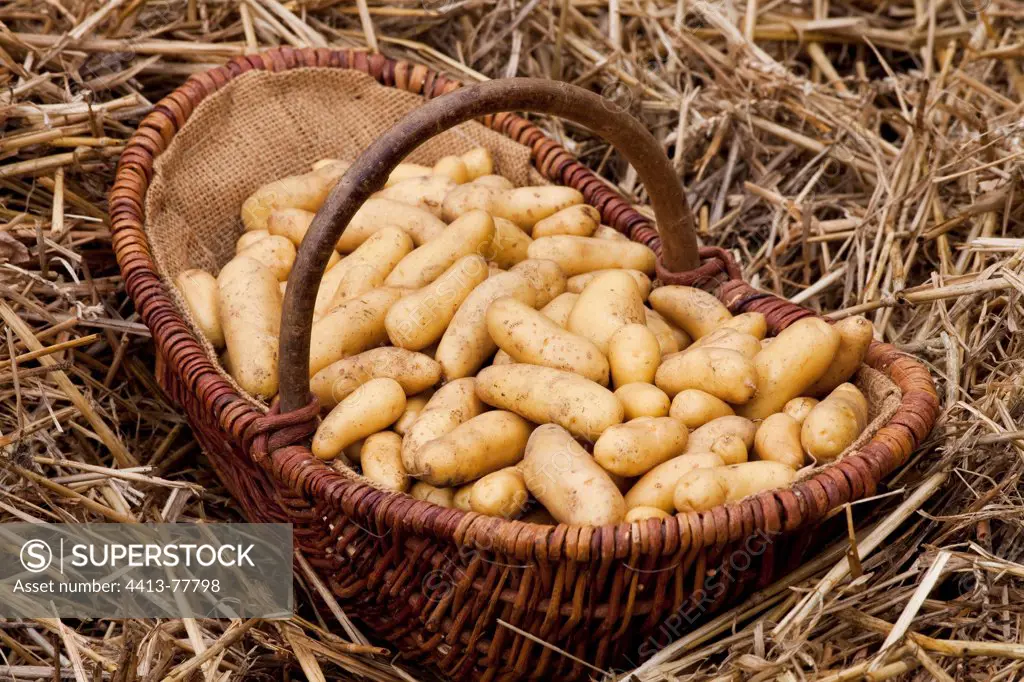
264	125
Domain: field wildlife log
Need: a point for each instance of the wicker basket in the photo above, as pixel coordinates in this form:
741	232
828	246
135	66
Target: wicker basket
436	582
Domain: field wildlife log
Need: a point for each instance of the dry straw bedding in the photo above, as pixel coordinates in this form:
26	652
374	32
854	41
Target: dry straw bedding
858	157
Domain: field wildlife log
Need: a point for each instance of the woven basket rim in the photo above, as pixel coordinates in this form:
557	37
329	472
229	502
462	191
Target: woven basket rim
783	510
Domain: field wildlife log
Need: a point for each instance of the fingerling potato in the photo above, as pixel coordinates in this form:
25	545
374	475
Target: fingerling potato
481	445
200	291
657	487
778	440
695	408
579	255
636	447
381	461
704	489
695	311
372	407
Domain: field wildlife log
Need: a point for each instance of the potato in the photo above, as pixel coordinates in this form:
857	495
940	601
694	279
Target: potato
461	498
479	162
568	482
540	516
452	404
741	342
636	447
381	461
453	168
580	220
475	448
355	325
367	267
372	407
725	374
201	294
834	423
656	487
754	324
493	182
290	223
695	408
466	344
404	171
607	304
797	358
502	358
731	448
579	282
413	406
546	395
415	372
799	408
578	255
609	233
249	238
531	337
442	497
277	253
509	246
421	318
696	312
666	338
470	234
703	489
642	400
778	440
375	214
634	355
704	438
524	206
559	308
426	192
546	278
502	493
643	513
855	335
250	315
307	191
351	453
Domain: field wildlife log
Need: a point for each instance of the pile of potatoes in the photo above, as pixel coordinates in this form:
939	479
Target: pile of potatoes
496	349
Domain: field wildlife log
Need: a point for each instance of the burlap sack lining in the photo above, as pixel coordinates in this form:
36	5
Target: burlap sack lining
265	125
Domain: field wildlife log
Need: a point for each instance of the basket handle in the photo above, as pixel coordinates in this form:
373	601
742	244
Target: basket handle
370	171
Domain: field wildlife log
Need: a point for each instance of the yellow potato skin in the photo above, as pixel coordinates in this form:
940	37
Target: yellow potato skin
568	482
834	423
470	234
291	223
501	493
529	336
352	327
413	406
426	192
307	191
634	355
509	246
797	358
415	372
419	224
404	171
525	206
491	181
754	324
250	314
479	162
704	489
539	516
461	498
372	407
249	238
656	487
546	395
200	291
442	497
466	344
644	513
366	268
731	448
745	344
704	438
559	308
381	461
579	255
636	447
421	318
475	448
667	339
451	405
778	440
695	311
276	252
452	167
799	408
725	374
642	400
578	283
695	408
546	278
855	336
607	304
580	220
609	233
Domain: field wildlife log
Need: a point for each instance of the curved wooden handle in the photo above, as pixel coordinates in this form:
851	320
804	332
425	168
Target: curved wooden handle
370	171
